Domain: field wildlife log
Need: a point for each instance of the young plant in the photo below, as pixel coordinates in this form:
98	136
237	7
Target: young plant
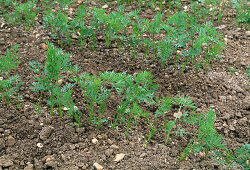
48	75
165	104
57	22
140	88
232	159
95	92
65	4
25	13
153	28
9	86
206	138
242	11
9	61
79	27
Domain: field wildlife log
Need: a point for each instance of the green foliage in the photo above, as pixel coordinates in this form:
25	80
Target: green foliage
11	85
9	61
57	22
95	91
164	105
48	76
242	11
134	90
206	138
232	159
25	13
79	27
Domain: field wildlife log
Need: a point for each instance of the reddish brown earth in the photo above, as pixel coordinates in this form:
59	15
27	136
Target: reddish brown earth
68	147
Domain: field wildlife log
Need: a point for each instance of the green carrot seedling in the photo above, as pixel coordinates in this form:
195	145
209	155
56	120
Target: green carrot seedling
48	75
12	84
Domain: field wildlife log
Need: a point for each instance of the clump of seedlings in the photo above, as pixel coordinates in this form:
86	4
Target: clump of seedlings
10	84
48	79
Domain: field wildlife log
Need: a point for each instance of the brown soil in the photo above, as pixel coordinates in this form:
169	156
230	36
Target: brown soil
68	147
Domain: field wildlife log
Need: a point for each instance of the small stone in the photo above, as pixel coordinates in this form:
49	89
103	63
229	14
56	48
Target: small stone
29	167
80	130
226	116
232	128
39	145
5	162
74	36
157	9
99	136
94	141
119	157
45	132
44	46
143	155
1	130
248	33
239	89
114	147
238	29
110	141
2	25
65	108
93	3
132	144
60	81
105	6
109	152
178	115
10	141
221	27
7	132
238	114
98	166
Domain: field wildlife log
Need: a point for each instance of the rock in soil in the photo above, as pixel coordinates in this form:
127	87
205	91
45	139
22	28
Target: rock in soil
45	133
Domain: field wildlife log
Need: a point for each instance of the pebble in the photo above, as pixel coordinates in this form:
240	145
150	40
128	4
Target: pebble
143	155
232	128
248	33
44	46
157	9
99	136
60	81
114	147
98	166
238	114
10	141
119	157
94	141
45	132
105	6
39	145
109	152
7	132
29	167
